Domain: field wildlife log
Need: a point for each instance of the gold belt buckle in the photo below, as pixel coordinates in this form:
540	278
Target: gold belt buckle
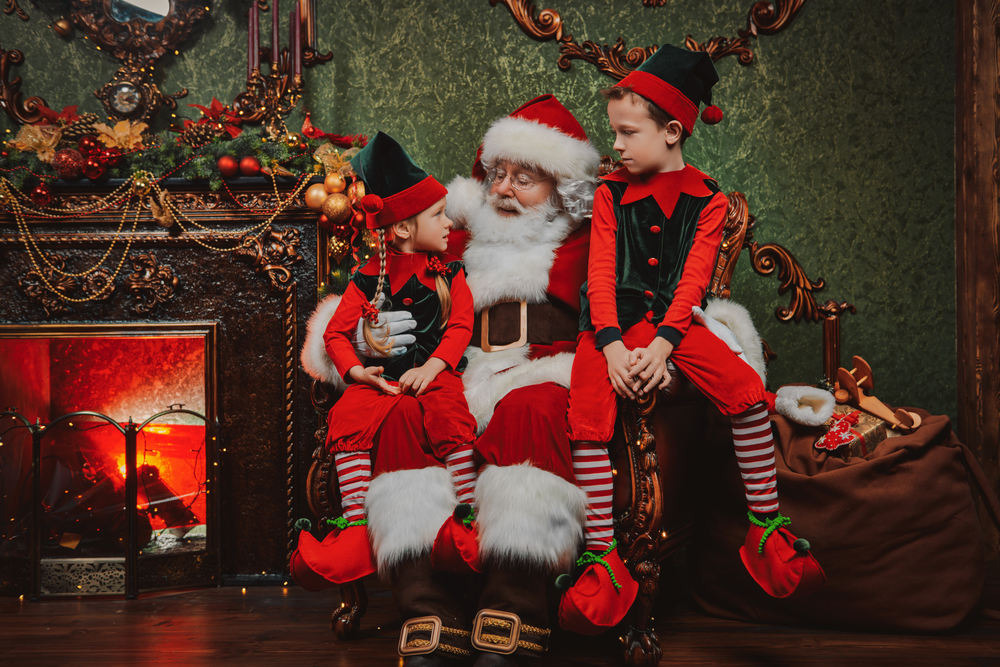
484	640
417	625
484	338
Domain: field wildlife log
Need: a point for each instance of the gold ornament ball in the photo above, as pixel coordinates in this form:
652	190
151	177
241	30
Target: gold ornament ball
62	28
316	194
334	183
292	140
337	208
356	191
142	184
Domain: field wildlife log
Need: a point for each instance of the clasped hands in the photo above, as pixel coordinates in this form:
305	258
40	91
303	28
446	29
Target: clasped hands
638	371
414	381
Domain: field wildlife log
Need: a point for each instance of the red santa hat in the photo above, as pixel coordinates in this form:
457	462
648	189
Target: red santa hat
542	134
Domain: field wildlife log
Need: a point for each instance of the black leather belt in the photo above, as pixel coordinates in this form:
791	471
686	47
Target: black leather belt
518	323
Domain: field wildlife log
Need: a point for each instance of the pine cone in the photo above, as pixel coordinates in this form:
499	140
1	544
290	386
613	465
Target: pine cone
81	127
196	135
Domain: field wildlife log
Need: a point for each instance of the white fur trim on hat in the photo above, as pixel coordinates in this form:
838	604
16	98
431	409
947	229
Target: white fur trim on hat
737	319
315	360
406	509
533	144
808	406
465	196
485	384
528	516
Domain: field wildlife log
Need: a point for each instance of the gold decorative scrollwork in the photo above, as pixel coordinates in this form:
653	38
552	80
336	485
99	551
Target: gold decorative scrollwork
33	284
151	284
272	253
11	98
739	223
769	257
96	285
13	7
767	17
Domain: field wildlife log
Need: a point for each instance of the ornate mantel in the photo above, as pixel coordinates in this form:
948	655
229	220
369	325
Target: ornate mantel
232	264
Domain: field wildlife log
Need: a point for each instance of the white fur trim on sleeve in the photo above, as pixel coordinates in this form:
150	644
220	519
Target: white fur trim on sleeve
406	509
465	195
315	360
528	516
808	406
485	384
737	319
530	143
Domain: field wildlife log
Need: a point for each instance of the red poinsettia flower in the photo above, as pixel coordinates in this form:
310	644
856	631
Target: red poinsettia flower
62	119
338	140
220	116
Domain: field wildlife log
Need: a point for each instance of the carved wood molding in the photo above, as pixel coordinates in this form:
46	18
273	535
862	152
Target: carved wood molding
766	17
36	282
12	99
151	285
272	252
136	39
12	7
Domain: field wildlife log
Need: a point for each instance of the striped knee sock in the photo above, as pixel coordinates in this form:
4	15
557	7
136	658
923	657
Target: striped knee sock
592	468
463	472
354	474
755	455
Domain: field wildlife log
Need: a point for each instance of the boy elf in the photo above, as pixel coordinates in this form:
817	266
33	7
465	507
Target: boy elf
656	231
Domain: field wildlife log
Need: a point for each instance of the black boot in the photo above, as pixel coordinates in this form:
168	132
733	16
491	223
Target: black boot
436	632
511	627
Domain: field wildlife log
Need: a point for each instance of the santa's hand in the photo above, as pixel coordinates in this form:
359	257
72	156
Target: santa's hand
392	325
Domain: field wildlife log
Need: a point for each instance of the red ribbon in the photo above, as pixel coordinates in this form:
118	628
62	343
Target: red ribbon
370	312
435	265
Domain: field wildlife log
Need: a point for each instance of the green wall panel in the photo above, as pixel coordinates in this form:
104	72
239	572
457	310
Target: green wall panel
840	135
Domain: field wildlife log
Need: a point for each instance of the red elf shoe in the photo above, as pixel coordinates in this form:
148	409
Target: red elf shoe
343	556
781	564
602	595
456	547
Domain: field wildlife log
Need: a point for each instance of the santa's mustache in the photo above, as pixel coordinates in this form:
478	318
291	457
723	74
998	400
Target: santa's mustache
499	203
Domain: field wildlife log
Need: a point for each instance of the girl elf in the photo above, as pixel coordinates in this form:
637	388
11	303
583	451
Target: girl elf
418	394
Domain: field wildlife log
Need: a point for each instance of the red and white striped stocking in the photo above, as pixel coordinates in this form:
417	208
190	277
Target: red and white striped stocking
354	474
463	472
755	456
592	468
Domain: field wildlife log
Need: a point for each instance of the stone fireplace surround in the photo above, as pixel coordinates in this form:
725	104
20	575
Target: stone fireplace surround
255	294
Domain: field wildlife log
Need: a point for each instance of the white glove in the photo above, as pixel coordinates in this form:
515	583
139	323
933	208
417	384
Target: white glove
395	324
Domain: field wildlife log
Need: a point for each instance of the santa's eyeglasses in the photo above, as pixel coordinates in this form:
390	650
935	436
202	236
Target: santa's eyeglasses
522	181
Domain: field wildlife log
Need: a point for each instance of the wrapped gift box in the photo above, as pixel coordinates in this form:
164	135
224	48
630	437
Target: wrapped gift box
852	433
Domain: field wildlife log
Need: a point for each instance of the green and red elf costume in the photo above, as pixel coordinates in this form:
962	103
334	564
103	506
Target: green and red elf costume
430	435
655	240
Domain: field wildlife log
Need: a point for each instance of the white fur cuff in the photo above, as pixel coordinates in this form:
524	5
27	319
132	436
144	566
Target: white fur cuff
406	508
315	360
737	319
808	406
528	516
465	195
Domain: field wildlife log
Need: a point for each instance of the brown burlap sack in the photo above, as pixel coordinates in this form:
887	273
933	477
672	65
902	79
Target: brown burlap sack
896	532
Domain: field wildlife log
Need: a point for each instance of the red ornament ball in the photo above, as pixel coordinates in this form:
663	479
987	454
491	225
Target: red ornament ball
41	195
249	166
342	232
110	157
89	146
359	219
68	163
228	166
93	168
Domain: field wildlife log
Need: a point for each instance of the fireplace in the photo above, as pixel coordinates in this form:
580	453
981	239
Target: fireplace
78	401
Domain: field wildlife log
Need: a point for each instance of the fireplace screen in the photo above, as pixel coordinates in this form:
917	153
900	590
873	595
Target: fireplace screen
76	401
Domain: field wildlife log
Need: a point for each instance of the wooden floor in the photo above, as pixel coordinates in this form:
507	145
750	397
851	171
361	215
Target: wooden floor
277	626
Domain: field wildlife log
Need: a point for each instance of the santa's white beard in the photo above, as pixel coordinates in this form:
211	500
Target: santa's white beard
509	256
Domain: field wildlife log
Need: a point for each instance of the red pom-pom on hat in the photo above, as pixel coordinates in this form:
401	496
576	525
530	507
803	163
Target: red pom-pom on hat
372	206
711	115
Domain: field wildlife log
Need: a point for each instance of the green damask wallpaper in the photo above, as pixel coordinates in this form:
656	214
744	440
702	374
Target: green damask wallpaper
840	135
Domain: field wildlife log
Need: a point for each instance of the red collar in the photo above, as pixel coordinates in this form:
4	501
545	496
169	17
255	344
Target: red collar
665	187
399	266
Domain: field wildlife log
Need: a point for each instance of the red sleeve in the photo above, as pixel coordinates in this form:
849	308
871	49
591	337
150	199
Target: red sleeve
601	268
698	269
458	333
340	329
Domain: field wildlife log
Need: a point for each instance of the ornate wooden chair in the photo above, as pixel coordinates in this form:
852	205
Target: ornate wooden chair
651	453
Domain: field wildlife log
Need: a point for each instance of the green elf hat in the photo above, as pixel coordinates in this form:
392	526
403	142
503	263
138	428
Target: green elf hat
401	189
677	81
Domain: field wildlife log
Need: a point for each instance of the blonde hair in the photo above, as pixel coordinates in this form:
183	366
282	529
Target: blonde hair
381	345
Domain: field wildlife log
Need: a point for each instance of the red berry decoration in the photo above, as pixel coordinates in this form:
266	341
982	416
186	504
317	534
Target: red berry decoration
342	232
249	166
41	195
93	168
89	146
110	157
68	163
228	166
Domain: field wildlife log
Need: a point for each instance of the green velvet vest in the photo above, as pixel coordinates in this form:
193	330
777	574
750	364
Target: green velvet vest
636	244
426	310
